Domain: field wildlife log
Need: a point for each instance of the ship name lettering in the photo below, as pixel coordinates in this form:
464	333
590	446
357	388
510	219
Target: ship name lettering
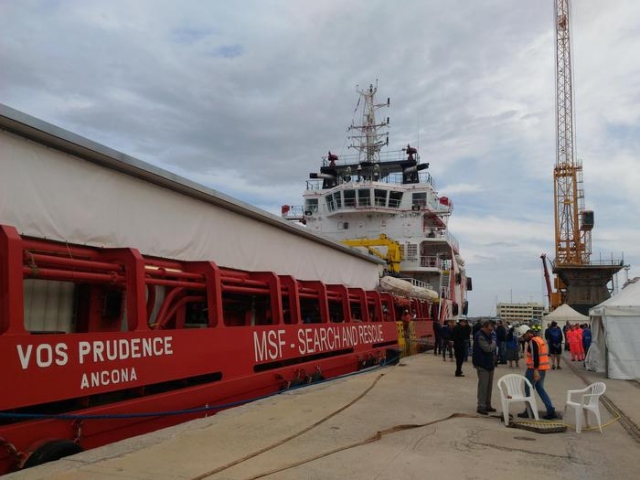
108	377
99	351
318	340
45	355
370	333
268	345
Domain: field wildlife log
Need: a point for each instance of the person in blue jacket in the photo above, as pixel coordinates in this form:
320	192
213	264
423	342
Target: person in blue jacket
553	335
446	336
586	337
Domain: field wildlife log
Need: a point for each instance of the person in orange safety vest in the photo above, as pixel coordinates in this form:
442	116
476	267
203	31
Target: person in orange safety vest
537	365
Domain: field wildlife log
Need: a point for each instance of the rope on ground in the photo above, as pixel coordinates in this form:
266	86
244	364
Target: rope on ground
291	437
374	438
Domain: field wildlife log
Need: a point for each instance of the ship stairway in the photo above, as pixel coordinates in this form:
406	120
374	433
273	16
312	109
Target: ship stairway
445	290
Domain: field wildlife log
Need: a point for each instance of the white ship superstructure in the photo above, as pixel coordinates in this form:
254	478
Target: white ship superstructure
386	203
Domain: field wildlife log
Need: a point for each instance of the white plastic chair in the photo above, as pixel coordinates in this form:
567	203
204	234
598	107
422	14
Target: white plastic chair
511	388
589	401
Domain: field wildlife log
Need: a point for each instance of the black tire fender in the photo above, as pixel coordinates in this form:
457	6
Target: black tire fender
50	451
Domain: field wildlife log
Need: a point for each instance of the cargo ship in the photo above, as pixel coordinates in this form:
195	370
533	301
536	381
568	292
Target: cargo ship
132	299
386	203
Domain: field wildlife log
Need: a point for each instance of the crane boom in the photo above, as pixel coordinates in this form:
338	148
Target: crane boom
393	255
547	278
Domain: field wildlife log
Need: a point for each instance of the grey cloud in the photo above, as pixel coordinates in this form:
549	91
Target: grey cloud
263	89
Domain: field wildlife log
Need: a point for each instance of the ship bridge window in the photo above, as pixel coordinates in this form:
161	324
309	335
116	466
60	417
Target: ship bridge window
380	197
330	203
419	198
364	197
337	199
395	199
311	205
349	198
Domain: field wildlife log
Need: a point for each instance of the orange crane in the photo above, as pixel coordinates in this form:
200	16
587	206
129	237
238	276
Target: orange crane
555	298
578	282
573	223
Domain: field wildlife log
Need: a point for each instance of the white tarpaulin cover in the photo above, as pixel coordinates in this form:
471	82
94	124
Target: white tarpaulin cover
47	193
615	346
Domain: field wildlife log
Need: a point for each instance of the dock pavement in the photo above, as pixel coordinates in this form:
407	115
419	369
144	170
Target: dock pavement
413	420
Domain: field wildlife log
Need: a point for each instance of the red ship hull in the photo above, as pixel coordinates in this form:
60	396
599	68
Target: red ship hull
152	342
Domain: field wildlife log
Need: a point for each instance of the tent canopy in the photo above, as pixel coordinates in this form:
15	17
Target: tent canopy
626	303
564	313
616	334
561	315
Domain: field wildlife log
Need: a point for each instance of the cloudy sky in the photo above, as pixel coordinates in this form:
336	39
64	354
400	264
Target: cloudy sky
245	97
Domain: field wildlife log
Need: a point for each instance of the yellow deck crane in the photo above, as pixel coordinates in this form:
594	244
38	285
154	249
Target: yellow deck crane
393	255
579	283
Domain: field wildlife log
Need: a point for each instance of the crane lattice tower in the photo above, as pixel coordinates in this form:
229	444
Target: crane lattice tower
581	283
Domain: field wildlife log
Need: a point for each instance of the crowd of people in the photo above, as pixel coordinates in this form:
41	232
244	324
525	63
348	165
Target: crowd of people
496	343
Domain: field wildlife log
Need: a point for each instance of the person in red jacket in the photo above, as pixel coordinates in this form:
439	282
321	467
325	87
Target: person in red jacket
572	340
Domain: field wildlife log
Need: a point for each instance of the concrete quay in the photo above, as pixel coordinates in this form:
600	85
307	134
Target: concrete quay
414	420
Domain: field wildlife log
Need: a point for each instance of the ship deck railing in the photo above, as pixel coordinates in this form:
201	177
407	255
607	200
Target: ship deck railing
345	159
601	262
418	283
390	179
443	236
297	213
432	261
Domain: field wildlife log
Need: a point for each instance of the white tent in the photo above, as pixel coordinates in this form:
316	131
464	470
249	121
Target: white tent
563	314
615	325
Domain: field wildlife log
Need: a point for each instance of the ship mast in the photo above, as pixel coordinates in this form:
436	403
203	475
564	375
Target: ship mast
370	136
